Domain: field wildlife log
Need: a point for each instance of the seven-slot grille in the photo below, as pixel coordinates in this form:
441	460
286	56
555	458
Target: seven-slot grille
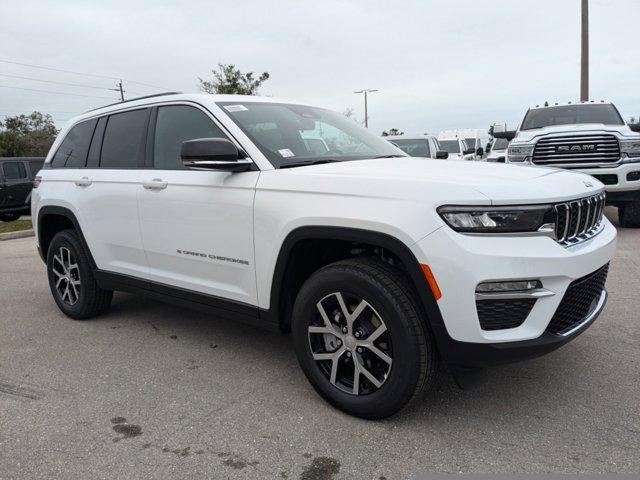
576	150
579	219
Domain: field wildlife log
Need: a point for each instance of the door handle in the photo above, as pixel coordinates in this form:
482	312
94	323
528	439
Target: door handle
83	182
155	184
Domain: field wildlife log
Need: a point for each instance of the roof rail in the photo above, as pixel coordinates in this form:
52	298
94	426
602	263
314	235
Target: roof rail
133	100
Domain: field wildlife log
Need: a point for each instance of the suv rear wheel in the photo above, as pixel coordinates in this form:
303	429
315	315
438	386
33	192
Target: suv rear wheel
629	215
71	279
360	340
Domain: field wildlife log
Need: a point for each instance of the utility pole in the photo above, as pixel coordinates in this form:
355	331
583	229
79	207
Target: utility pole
366	111
584	53
119	89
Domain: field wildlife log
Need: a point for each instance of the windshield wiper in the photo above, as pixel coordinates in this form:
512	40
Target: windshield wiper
310	162
395	155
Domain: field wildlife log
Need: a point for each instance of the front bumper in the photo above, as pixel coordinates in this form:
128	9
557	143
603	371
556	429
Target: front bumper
473	355
620	182
460	262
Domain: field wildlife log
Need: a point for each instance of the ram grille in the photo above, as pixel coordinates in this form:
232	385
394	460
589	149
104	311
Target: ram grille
577	150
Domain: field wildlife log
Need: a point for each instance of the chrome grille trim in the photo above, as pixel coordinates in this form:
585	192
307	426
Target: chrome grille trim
579	220
606	150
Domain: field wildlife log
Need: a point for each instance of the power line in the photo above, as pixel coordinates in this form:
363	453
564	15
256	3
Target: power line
18	112
56	93
53	81
80	73
65	83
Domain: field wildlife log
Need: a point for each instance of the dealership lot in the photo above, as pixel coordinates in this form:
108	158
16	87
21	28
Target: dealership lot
173	393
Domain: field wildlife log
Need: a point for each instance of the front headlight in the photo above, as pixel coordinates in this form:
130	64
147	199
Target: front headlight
630	149
519	153
526	218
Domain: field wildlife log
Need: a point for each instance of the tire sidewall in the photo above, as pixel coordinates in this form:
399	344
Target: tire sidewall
68	240
401	383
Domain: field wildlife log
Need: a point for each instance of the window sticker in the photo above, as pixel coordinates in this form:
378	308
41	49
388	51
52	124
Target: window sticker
235	108
285	152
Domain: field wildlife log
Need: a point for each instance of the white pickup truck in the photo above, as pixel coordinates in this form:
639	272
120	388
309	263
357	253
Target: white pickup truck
590	138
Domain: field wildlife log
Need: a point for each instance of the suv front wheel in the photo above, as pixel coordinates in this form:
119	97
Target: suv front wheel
71	279
360	340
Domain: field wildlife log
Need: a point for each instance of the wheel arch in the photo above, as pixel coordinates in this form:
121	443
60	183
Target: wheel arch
53	219
279	307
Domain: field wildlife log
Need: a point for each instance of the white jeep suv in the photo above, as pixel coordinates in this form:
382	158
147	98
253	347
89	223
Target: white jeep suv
380	265
587	137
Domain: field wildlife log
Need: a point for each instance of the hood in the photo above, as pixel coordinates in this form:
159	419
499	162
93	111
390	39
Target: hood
441	181
619	130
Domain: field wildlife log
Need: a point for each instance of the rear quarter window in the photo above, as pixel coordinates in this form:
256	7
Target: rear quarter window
72	152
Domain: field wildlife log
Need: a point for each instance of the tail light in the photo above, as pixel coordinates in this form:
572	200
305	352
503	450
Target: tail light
36	181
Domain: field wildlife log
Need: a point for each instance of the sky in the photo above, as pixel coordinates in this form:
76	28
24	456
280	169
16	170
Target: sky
437	64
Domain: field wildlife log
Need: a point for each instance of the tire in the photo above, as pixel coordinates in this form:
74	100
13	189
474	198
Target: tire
629	214
390	303
68	265
9	217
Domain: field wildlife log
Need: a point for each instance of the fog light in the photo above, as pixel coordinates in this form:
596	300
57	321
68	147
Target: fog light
516	286
633	176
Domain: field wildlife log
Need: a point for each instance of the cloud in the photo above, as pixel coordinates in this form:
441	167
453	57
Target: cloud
438	64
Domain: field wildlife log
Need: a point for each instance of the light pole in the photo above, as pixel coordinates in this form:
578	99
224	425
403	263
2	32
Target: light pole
366	112
584	52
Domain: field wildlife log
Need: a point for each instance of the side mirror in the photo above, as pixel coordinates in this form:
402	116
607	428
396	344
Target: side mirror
212	154
488	149
635	127
508	135
468	151
479	152
442	155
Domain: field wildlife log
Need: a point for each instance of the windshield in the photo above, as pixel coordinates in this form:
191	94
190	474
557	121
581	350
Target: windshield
471	142
295	134
415	148
500	144
571	114
451	146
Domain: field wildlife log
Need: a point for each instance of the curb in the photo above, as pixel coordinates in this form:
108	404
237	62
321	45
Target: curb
18	234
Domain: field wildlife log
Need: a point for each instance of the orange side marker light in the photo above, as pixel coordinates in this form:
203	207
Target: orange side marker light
431	280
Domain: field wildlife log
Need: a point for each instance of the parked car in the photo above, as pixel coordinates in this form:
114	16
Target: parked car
16	183
457	149
497	150
473	137
585	137
420	145
381	265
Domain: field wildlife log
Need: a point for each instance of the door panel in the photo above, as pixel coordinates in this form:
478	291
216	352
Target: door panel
198	231
108	211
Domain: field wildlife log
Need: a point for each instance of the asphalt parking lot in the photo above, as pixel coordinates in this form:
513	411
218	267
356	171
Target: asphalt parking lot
154	391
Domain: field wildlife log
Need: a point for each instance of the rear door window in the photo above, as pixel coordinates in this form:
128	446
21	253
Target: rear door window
174	125
72	152
124	139
14	170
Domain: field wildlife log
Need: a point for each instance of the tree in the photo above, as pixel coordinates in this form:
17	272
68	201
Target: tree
229	79
27	135
392	131
632	120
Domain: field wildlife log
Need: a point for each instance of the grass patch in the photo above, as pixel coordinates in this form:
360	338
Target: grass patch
15	226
